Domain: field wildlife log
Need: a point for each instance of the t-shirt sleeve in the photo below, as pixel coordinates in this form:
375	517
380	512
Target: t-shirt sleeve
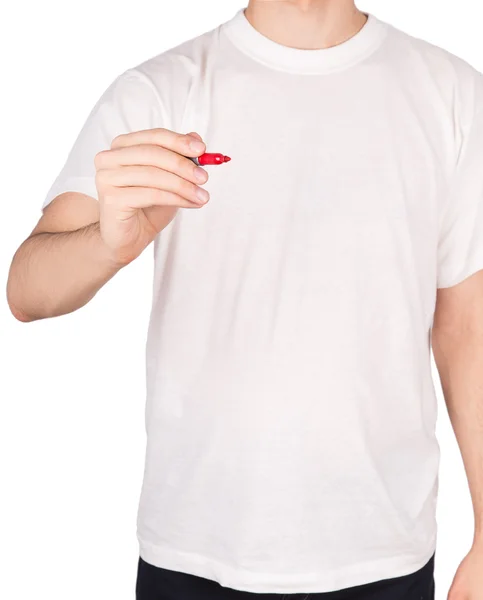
129	104
460	250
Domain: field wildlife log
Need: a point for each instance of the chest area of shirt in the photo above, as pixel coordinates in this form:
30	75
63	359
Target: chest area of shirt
350	153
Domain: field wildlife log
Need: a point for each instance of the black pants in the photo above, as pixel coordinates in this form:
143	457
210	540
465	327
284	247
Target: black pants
154	583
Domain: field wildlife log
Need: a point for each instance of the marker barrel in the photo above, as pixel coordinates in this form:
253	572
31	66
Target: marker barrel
209	159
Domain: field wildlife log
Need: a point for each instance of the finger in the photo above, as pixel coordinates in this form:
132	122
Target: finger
152	156
185	145
196	135
143	198
151	177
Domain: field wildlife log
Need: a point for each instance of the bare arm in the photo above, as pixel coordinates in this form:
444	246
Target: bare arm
62	264
79	243
458	351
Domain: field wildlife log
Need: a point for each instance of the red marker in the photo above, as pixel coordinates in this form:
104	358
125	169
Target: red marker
211	159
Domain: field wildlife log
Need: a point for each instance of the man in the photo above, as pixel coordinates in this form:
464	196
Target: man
290	412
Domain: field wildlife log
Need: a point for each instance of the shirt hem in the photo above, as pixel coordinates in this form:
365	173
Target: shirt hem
283	583
475	266
82	185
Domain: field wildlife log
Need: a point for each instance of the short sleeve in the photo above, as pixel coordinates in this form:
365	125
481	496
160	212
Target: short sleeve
129	104
460	248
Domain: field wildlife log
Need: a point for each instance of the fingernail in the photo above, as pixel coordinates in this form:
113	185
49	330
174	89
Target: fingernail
197	146
201	175
202	195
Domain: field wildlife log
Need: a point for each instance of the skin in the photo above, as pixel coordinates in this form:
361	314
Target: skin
144	179
79	243
458	351
314	24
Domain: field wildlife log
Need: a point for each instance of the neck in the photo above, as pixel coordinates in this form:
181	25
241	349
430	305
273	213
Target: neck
306	24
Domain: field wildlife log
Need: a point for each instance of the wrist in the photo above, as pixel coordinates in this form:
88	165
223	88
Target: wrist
478	540
112	258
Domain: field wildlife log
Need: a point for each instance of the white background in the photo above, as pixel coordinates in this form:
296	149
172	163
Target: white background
72	389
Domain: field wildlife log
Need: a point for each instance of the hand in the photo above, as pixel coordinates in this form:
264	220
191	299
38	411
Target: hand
468	583
142	181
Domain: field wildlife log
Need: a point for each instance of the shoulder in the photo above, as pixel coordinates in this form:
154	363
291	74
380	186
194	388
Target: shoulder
457	80
165	81
161	85
177	65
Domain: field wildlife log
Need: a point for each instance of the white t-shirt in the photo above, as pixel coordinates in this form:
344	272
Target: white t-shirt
291	411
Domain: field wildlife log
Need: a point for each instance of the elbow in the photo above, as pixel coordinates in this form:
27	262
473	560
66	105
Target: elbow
13	305
20	315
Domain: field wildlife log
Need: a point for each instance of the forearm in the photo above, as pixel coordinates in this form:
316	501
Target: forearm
459	356
57	273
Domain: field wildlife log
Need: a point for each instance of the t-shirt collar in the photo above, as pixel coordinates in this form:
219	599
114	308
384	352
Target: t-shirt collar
242	33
